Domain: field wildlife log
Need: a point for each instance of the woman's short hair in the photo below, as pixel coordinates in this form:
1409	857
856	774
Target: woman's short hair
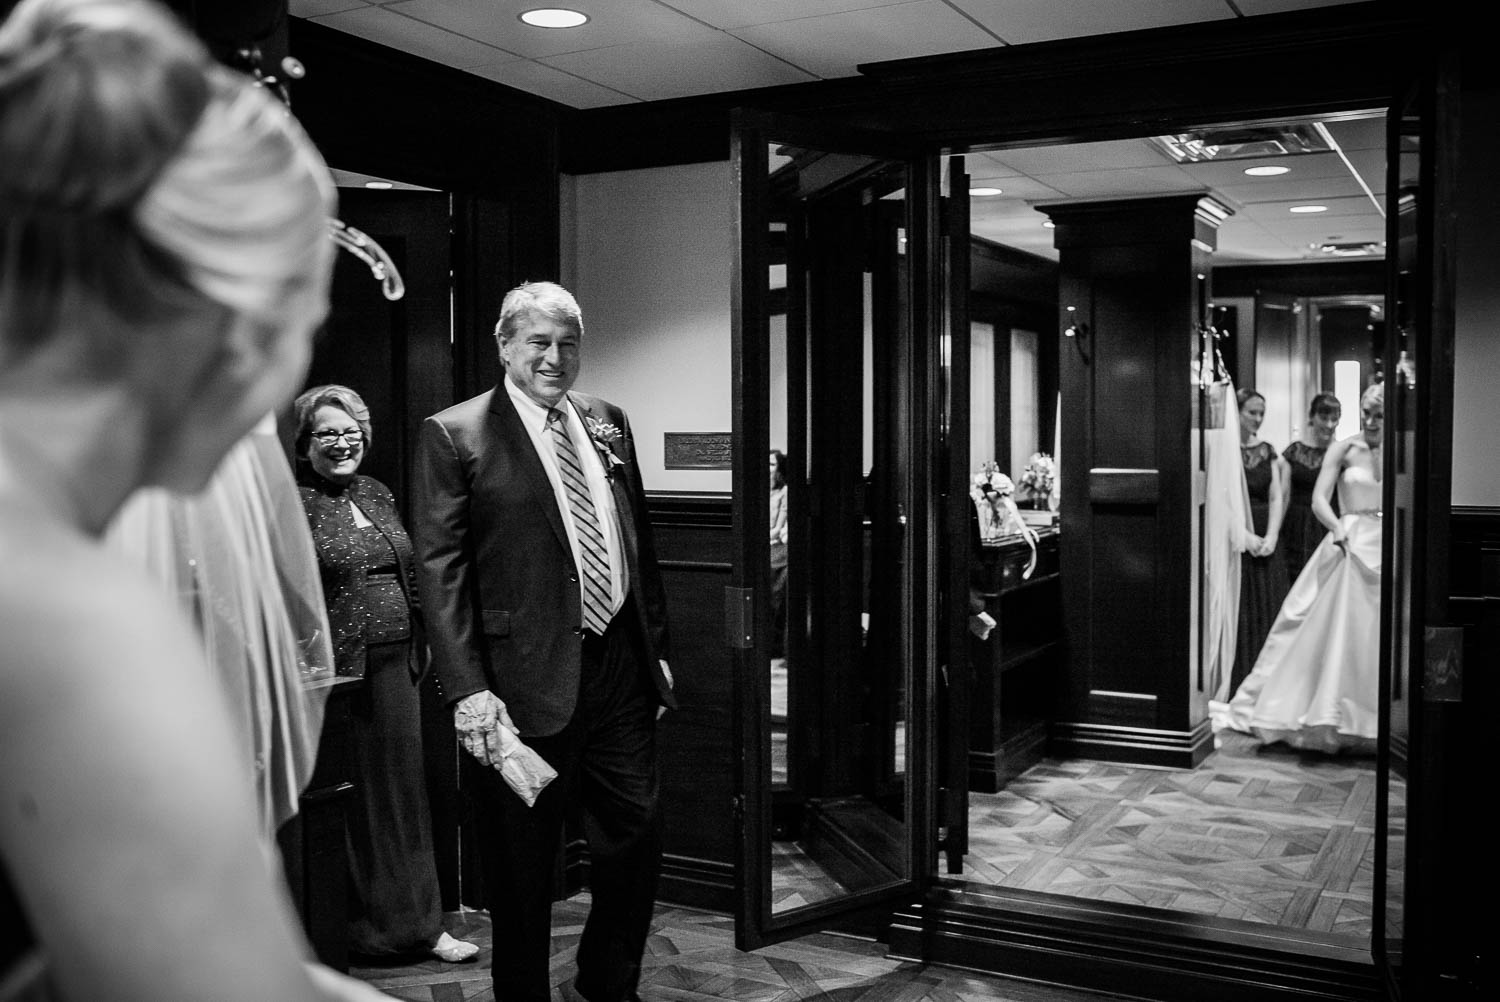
1245	395
1374	394
307	405
780	478
142	181
1324	403
538	299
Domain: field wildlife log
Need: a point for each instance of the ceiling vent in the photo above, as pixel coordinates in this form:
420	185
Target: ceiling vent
1245	143
1353	249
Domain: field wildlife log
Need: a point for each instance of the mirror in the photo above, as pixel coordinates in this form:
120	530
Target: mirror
1019	835
840	658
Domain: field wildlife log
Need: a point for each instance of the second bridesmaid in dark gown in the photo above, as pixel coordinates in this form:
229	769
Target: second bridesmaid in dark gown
1263	580
1301	532
369	585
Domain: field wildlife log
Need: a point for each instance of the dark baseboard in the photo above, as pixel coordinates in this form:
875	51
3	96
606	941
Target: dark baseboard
1132	745
697	883
990	770
1140	952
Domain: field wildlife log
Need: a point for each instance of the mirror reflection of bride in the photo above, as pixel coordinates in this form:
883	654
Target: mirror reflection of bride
1315	683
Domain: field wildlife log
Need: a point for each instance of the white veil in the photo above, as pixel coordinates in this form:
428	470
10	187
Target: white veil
240	559
1226	534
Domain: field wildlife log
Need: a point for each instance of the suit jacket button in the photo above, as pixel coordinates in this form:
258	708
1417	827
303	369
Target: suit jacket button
577	631
573	578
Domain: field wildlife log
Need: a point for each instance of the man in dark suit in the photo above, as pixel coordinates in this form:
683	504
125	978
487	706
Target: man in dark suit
546	616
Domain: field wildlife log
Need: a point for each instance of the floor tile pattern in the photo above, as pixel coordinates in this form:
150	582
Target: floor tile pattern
1259	834
690	957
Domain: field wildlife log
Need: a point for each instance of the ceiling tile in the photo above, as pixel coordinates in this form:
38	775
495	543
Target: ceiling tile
1251	8
554	84
1303	167
1028	189
1370	164
611	22
1039	161
834	45
316	8
1123	183
1358	133
741	13
381	25
1018	21
654	71
1258	191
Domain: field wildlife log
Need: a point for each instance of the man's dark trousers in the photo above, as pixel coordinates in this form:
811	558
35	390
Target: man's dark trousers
606	763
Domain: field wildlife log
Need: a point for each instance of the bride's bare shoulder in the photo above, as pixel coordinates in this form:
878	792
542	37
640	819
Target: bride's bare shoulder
76	609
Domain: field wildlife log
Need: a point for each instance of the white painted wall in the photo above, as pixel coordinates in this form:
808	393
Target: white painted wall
648	254
1476	404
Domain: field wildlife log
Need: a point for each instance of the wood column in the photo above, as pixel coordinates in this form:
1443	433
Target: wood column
1128	298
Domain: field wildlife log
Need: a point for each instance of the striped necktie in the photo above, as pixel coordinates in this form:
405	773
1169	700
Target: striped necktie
595	556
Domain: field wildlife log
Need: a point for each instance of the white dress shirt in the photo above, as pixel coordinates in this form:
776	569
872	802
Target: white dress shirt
534	417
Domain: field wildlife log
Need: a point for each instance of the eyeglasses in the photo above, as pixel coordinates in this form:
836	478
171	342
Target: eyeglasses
353	436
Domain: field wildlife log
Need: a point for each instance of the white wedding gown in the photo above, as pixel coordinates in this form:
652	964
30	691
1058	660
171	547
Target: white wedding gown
1315	684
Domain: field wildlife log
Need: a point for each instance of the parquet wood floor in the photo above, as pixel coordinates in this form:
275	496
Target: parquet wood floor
1259	834
690	957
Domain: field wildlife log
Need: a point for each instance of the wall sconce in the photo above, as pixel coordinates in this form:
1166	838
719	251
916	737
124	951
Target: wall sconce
1078	331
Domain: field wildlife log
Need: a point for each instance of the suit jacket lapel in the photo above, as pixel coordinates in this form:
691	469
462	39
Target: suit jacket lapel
517	443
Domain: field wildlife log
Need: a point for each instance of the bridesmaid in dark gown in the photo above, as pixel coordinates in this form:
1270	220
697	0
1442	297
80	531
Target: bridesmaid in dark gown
1301	532
369	584
1263	580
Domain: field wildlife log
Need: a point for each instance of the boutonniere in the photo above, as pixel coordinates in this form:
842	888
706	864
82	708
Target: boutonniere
604	436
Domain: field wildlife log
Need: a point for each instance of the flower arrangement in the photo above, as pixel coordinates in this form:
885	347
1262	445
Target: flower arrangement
1039	477
988	487
994	497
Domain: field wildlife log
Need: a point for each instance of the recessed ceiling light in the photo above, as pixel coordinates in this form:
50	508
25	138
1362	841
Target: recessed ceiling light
1266	170
554	17
378	184
1308	208
983	192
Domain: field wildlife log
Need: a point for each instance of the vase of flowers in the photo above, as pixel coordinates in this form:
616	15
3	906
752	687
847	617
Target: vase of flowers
992	492
1038	480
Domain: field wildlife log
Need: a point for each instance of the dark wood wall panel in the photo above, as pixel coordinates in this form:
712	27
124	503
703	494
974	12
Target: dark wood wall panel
1128	637
696	742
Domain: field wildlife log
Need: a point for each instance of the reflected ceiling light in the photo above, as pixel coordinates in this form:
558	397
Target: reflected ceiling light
380	185
1266	170
1048	223
1308	208
554	17
983	192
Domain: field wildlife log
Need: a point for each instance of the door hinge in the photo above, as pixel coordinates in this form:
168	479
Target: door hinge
739	618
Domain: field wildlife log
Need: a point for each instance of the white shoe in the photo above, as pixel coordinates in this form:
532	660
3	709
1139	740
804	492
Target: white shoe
454	951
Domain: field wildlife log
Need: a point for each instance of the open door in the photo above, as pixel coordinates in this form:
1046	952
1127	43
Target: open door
1420	942
958	527
836	356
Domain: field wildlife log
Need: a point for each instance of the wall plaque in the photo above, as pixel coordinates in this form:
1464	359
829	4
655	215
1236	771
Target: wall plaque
697	450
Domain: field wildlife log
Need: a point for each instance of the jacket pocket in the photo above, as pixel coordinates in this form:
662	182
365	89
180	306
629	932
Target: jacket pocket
496	623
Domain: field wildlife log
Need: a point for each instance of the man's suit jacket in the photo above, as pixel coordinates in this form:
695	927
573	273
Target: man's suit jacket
498	581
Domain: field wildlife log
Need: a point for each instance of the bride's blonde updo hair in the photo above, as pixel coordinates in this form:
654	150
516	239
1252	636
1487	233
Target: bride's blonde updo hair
140	180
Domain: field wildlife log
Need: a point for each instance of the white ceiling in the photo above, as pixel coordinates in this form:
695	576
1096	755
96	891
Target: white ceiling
645	50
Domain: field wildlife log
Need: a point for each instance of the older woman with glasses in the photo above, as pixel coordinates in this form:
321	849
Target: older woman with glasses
370	588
